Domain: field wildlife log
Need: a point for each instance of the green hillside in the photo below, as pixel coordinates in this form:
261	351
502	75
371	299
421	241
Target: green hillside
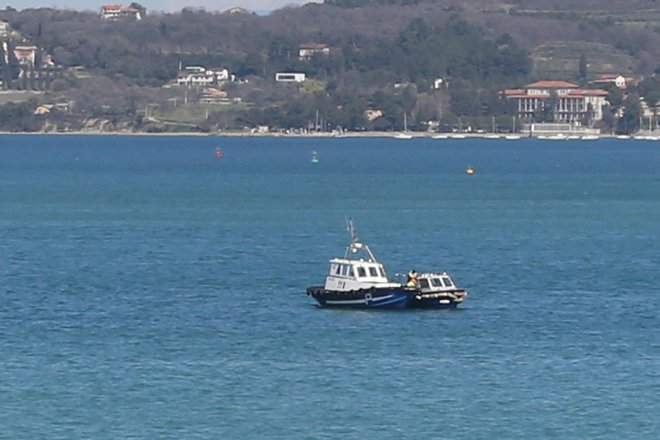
561	60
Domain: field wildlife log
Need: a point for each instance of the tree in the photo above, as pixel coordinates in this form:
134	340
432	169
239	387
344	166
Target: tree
582	69
139	7
629	122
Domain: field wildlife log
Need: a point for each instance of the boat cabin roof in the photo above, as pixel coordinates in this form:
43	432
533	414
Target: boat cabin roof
343	267
435	281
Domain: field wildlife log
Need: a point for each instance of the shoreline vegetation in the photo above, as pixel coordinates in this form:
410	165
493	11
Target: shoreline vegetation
367	66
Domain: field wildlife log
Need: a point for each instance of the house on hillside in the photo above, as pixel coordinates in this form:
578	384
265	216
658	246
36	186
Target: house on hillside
289	77
236	10
571	103
116	12
619	81
213	95
193	76
308	50
4	29
26	55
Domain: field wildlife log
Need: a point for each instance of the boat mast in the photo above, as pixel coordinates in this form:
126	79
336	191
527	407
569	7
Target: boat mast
356	245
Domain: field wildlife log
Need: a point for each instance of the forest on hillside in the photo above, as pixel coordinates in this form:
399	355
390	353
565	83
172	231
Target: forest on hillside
384	54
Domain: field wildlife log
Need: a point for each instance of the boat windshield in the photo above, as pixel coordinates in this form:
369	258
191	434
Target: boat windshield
447	282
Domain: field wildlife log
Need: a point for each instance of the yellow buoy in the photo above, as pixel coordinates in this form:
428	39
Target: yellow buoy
470	170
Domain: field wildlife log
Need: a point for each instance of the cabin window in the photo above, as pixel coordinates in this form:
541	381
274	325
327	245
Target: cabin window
447	282
382	272
350	271
424	283
361	272
344	269
373	272
436	282
337	269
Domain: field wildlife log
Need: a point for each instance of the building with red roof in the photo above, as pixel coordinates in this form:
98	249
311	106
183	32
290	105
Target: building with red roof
116	12
572	104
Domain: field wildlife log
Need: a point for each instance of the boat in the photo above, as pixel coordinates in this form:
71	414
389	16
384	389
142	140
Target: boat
315	157
437	291
358	281
512	137
470	170
218	153
590	137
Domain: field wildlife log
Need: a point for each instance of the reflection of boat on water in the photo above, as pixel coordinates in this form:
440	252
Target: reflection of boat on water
315	157
218	153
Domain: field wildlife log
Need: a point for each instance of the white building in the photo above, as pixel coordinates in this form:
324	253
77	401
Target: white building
26	55
289	77
308	50
4	29
115	12
571	103
193	76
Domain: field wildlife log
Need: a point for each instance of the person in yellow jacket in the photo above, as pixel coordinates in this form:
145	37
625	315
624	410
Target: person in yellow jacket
412	279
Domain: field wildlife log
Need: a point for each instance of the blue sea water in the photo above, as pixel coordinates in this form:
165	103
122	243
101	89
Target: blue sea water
149	290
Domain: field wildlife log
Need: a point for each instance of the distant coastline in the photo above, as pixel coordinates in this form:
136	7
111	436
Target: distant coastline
653	135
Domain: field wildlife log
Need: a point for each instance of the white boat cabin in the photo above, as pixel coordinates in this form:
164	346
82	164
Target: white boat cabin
435	282
347	274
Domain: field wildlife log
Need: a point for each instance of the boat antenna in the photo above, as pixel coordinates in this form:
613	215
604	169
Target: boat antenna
351	230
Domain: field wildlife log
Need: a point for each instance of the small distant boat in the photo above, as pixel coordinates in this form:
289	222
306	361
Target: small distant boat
623	137
458	136
470	170
403	136
590	137
441	136
491	136
512	137
315	157
218	153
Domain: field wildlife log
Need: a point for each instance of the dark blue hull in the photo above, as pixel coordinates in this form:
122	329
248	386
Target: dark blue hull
388	298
